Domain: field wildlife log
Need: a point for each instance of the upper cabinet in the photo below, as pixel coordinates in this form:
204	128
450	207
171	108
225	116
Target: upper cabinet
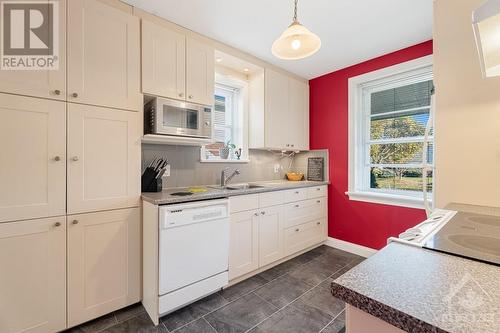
176	66
163	61
104	158
32	158
200	72
281	120
41	83
103	56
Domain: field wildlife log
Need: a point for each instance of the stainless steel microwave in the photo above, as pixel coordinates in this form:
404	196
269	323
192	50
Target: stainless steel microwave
171	117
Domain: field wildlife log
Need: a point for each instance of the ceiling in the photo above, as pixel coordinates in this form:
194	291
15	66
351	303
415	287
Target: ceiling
351	31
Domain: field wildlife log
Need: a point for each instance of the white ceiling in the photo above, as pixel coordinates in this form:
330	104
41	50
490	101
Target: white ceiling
351	31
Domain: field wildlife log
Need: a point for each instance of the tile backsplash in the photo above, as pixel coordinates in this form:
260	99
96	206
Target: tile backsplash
186	169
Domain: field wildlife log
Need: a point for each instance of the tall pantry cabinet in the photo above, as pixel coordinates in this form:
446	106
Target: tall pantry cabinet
70	174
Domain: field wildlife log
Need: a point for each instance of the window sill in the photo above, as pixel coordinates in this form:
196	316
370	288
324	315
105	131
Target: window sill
388	199
224	161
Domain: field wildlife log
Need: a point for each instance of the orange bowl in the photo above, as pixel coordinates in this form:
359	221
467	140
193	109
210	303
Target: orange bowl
294	176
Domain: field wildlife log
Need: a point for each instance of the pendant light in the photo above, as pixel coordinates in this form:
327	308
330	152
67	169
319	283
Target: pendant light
296	42
486	24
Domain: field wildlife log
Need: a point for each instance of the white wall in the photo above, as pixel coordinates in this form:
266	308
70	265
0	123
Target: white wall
467	112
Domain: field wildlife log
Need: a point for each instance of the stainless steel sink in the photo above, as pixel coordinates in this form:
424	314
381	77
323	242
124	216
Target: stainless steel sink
233	187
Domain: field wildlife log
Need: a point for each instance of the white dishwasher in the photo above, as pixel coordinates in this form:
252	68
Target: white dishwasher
193	252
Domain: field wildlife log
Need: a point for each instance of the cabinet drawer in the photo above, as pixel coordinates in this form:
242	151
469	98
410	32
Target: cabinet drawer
271	199
295	195
317	192
302	236
242	203
304	211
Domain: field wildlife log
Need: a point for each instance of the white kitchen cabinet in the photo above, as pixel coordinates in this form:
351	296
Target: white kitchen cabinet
270	235
103	49
163	61
200	72
277	117
244	243
104	265
33	276
304	235
32	158
298	108
41	83
285	113
104	158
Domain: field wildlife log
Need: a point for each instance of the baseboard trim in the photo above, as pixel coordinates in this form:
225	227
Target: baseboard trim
360	250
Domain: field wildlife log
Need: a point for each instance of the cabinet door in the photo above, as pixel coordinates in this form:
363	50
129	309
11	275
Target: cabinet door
200	72
32	158
104	157
298	120
104	267
277	117
271	235
163	61
103	56
304	235
41	83
33	276
243	243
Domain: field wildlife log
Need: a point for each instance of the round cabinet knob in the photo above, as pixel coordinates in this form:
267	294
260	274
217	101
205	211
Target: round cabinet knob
296	192
262	213
318	201
288	145
297	230
297	206
181	94
75	158
57	92
256	214
207	123
74	221
75	95
293	145
318	223
57	224
57	158
190	96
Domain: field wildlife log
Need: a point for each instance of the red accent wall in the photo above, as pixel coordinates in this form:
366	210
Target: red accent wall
357	222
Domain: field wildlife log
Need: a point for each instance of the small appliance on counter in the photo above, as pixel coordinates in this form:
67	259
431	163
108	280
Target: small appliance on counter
151	180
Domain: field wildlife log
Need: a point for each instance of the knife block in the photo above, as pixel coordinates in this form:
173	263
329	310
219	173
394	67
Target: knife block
149	182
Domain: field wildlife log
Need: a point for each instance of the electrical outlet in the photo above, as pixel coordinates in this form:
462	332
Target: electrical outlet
277	168
167	171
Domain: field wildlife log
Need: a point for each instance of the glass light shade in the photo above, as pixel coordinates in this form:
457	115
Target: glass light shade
296	42
486	24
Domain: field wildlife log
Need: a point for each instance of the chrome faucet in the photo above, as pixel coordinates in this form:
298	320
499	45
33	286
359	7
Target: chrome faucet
224	180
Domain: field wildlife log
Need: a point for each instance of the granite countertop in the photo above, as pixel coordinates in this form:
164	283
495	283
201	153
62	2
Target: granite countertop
419	290
165	197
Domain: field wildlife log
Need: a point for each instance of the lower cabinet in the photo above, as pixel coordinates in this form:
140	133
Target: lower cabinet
244	243
33	275
270	235
304	235
104	267
267	227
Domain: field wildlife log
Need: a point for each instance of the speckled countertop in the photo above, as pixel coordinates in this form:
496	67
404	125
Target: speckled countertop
419	290
165	197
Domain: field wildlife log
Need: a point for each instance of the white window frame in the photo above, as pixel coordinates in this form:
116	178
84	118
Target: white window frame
359	130
241	104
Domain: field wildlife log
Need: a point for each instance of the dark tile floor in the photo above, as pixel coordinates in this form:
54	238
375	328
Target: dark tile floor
291	297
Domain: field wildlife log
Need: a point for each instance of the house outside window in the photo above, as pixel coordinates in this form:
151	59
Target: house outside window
229	132
391	155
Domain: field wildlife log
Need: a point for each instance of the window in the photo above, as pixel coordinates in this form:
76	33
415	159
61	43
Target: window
229	135
389	112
